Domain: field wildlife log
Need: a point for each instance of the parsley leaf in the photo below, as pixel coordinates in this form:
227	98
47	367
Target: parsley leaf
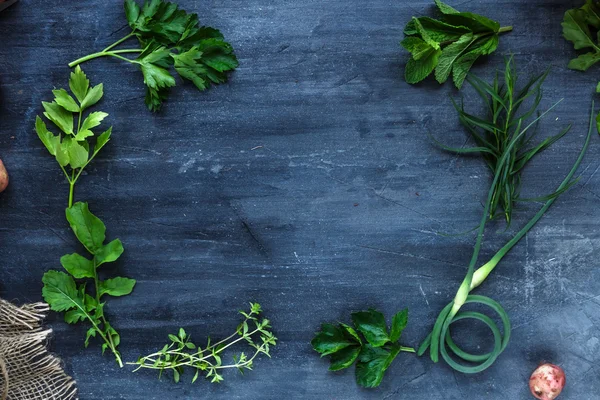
448	46
63	293
372	356
71	146
171	37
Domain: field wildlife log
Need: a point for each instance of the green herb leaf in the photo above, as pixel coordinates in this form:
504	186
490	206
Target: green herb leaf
448	46
87	227
60	292
372	364
118	286
399	322
450	54
170	36
331	339
92	121
78	266
372	325
63	99
93	96
577	27
77	152
50	140
417	70
344	358
79	84
109	253
62	118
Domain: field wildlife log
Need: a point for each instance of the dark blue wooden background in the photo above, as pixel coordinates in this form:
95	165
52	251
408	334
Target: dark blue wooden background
307	184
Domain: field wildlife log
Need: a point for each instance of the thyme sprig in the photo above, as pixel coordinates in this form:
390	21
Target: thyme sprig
181	352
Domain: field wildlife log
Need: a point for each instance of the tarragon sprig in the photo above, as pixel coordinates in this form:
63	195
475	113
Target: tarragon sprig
72	146
64	294
169	36
181	352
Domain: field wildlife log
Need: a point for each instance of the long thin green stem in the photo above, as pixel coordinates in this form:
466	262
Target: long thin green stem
114	53
118	42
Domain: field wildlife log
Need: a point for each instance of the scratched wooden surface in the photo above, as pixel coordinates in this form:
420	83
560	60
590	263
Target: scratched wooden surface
307	184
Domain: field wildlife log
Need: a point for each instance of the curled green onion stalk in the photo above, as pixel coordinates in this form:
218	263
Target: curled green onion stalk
72	147
504	118
440	339
181	352
170	37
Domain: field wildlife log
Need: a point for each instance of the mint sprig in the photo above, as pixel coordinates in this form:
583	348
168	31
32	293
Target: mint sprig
448	46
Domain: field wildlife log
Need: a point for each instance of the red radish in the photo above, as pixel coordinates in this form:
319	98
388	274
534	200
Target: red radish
547	381
3	177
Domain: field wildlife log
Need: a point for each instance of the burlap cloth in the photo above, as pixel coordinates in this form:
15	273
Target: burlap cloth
27	370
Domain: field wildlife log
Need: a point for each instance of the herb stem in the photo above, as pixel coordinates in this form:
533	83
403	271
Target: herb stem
114	53
118	42
407	349
505	29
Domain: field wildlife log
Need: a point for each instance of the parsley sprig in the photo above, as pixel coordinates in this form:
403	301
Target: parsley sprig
450	45
373	354
64	294
171	37
72	146
181	352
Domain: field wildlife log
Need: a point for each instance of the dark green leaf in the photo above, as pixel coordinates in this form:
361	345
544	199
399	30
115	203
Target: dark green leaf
399	322
575	30
372	364
372	325
344	358
331	339
450	54
132	12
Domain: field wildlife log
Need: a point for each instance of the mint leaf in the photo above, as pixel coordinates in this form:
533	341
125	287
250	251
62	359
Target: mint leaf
87	227
450	54
372	325
78	266
116	286
417	70
449	45
372	364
